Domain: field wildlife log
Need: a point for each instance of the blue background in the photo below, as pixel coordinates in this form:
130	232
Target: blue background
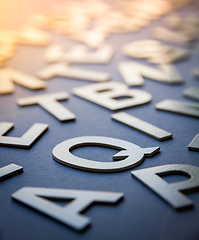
142	214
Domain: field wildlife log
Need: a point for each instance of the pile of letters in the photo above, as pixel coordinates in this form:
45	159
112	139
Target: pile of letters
91	23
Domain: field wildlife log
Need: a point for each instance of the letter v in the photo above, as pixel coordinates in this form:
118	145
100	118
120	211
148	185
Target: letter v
28	138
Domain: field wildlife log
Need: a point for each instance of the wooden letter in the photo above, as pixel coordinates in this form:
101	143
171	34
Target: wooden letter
9	171
28	138
185	108
194	144
49	103
192	92
130	154
63	70
8	76
133	73
142	126
70	214
171	193
105	94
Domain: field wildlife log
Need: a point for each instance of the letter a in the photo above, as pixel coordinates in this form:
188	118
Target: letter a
70	214
171	193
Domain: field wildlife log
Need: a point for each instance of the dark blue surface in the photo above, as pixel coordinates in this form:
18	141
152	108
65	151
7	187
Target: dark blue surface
142	214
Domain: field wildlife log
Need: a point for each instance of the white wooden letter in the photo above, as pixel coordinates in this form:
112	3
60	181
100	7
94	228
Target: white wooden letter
105	94
70	214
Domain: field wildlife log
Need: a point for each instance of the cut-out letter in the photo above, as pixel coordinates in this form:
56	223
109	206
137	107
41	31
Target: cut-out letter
171	193
8	76
105	94
154	51
180	107
28	138
196	72
79	54
132	154
64	70
50	103
70	214
133	73
141	125
192	92
9	171
33	36
166	34
194	144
